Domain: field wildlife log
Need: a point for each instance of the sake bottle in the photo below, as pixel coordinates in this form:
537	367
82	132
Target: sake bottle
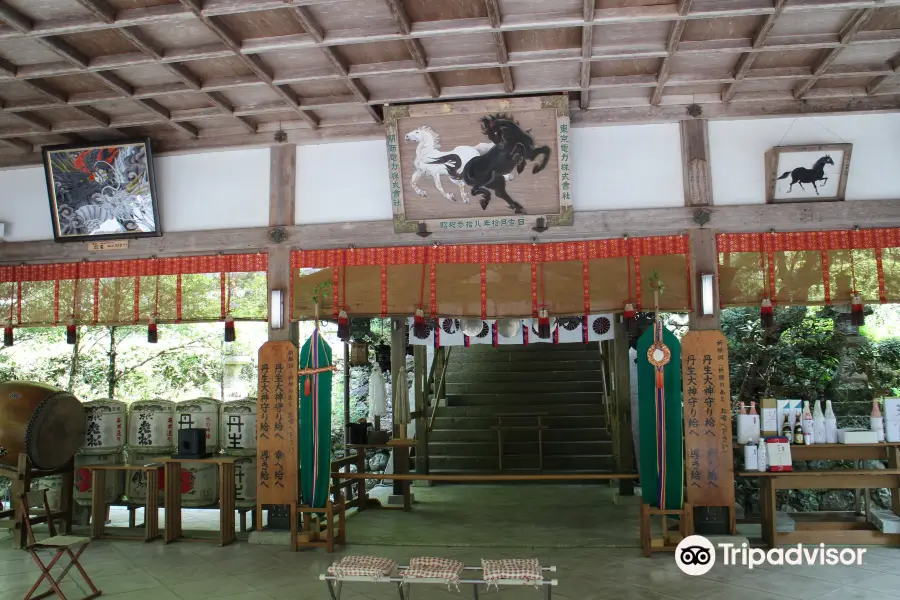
799	436
818	424
876	421
830	424
762	456
786	430
807	423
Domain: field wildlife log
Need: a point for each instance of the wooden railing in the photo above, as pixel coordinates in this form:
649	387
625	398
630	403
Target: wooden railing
440	389
340	468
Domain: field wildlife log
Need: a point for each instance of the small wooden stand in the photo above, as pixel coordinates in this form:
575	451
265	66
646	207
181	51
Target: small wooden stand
225	465
99	507
21	478
319	525
670	538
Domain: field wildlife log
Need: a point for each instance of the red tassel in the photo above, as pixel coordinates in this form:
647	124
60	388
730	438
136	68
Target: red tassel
152	336
307	386
8	335
543	324
857	311
71	333
229	329
419	329
343	326
629	316
767	314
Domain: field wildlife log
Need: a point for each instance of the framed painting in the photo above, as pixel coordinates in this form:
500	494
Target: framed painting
102	191
807	173
480	165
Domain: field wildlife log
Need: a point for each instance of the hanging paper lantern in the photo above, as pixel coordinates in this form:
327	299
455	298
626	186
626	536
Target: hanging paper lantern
543	323
629	315
767	314
229	329
71	332
8	335
343	331
152	336
857	311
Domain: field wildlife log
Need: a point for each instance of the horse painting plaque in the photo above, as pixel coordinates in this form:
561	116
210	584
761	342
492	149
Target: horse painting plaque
492	164
807	173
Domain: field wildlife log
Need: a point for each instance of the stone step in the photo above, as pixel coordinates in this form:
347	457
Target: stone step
510	448
476	366
500	355
484	422
502	401
523	375
537	347
522	387
491	464
516	435
558	410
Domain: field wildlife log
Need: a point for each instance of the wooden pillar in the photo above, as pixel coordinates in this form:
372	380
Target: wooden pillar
420	356
398	360
346	392
704	260
282	194
624	441
695	163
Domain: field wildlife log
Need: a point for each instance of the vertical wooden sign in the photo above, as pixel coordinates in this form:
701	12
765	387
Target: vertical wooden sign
707	419
276	425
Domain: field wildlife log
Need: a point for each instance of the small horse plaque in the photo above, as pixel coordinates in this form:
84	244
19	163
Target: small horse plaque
511	156
807	173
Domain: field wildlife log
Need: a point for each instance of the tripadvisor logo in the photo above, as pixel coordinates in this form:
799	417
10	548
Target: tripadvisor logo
696	555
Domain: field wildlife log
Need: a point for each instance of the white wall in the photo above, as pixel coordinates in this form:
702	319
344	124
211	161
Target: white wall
216	190
24	205
737	149
345	181
628	166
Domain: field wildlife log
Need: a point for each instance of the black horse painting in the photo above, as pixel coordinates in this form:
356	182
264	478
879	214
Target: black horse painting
512	149
802	175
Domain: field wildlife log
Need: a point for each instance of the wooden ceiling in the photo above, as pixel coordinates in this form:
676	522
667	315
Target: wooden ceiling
194	74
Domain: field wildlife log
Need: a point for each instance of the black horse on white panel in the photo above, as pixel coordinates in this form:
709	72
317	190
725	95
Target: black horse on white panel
802	175
487	173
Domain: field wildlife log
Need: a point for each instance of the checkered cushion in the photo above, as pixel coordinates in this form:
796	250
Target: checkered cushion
363	566
526	570
428	567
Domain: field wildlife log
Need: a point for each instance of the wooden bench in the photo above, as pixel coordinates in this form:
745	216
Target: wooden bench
829	528
539	427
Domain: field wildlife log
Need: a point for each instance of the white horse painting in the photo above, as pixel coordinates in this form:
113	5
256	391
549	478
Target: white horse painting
429	149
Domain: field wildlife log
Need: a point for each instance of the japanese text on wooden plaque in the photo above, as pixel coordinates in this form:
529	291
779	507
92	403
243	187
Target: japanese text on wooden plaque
707	418
276	425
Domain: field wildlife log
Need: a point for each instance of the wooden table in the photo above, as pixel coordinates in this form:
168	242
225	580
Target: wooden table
401	467
227	494
829	528
99	504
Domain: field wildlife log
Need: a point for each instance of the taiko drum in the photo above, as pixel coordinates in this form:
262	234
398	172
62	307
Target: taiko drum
42	421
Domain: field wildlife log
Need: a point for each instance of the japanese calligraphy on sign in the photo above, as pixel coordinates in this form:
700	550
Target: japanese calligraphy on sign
707	419
276	424
524	140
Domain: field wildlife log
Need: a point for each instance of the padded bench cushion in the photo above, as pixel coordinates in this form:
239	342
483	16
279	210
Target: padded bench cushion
429	567
527	571
371	567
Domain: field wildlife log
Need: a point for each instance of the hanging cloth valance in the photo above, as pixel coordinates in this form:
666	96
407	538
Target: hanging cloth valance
496	280
122	292
810	267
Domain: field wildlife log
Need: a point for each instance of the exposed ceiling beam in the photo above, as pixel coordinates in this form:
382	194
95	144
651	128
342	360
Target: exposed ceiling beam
877	84
587	49
100	9
413	45
496	21
748	58
684	7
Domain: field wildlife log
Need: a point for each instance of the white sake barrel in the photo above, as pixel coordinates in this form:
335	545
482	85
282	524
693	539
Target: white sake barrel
199	484
245	481
239	427
136	481
200	413
150	426
53	485
105	427
115	480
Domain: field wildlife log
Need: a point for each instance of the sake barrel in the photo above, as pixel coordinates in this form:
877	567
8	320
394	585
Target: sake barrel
202	413
150	424
199	484
104	427
245	481
136	481
115	480
41	421
239	427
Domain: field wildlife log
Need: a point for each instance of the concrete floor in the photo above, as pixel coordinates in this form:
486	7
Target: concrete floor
592	542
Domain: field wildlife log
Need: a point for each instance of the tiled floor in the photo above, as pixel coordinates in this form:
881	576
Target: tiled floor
609	566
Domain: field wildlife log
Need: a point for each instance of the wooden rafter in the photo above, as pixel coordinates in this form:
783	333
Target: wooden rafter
748	58
413	45
684	7
877	84
493	11
587	50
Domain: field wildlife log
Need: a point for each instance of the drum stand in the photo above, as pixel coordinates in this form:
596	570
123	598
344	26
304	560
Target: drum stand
21	478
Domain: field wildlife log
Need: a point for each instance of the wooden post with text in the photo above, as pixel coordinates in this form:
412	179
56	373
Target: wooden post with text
276	428
707	420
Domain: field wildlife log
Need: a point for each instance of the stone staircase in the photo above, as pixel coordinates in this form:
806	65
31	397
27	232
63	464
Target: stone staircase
563	381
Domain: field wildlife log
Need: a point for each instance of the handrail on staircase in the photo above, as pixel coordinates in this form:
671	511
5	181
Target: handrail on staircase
437	389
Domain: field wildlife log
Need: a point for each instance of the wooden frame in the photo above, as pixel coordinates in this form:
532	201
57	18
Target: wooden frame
225	466
774	173
21	477
400	162
669	540
100	174
99	506
319	527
